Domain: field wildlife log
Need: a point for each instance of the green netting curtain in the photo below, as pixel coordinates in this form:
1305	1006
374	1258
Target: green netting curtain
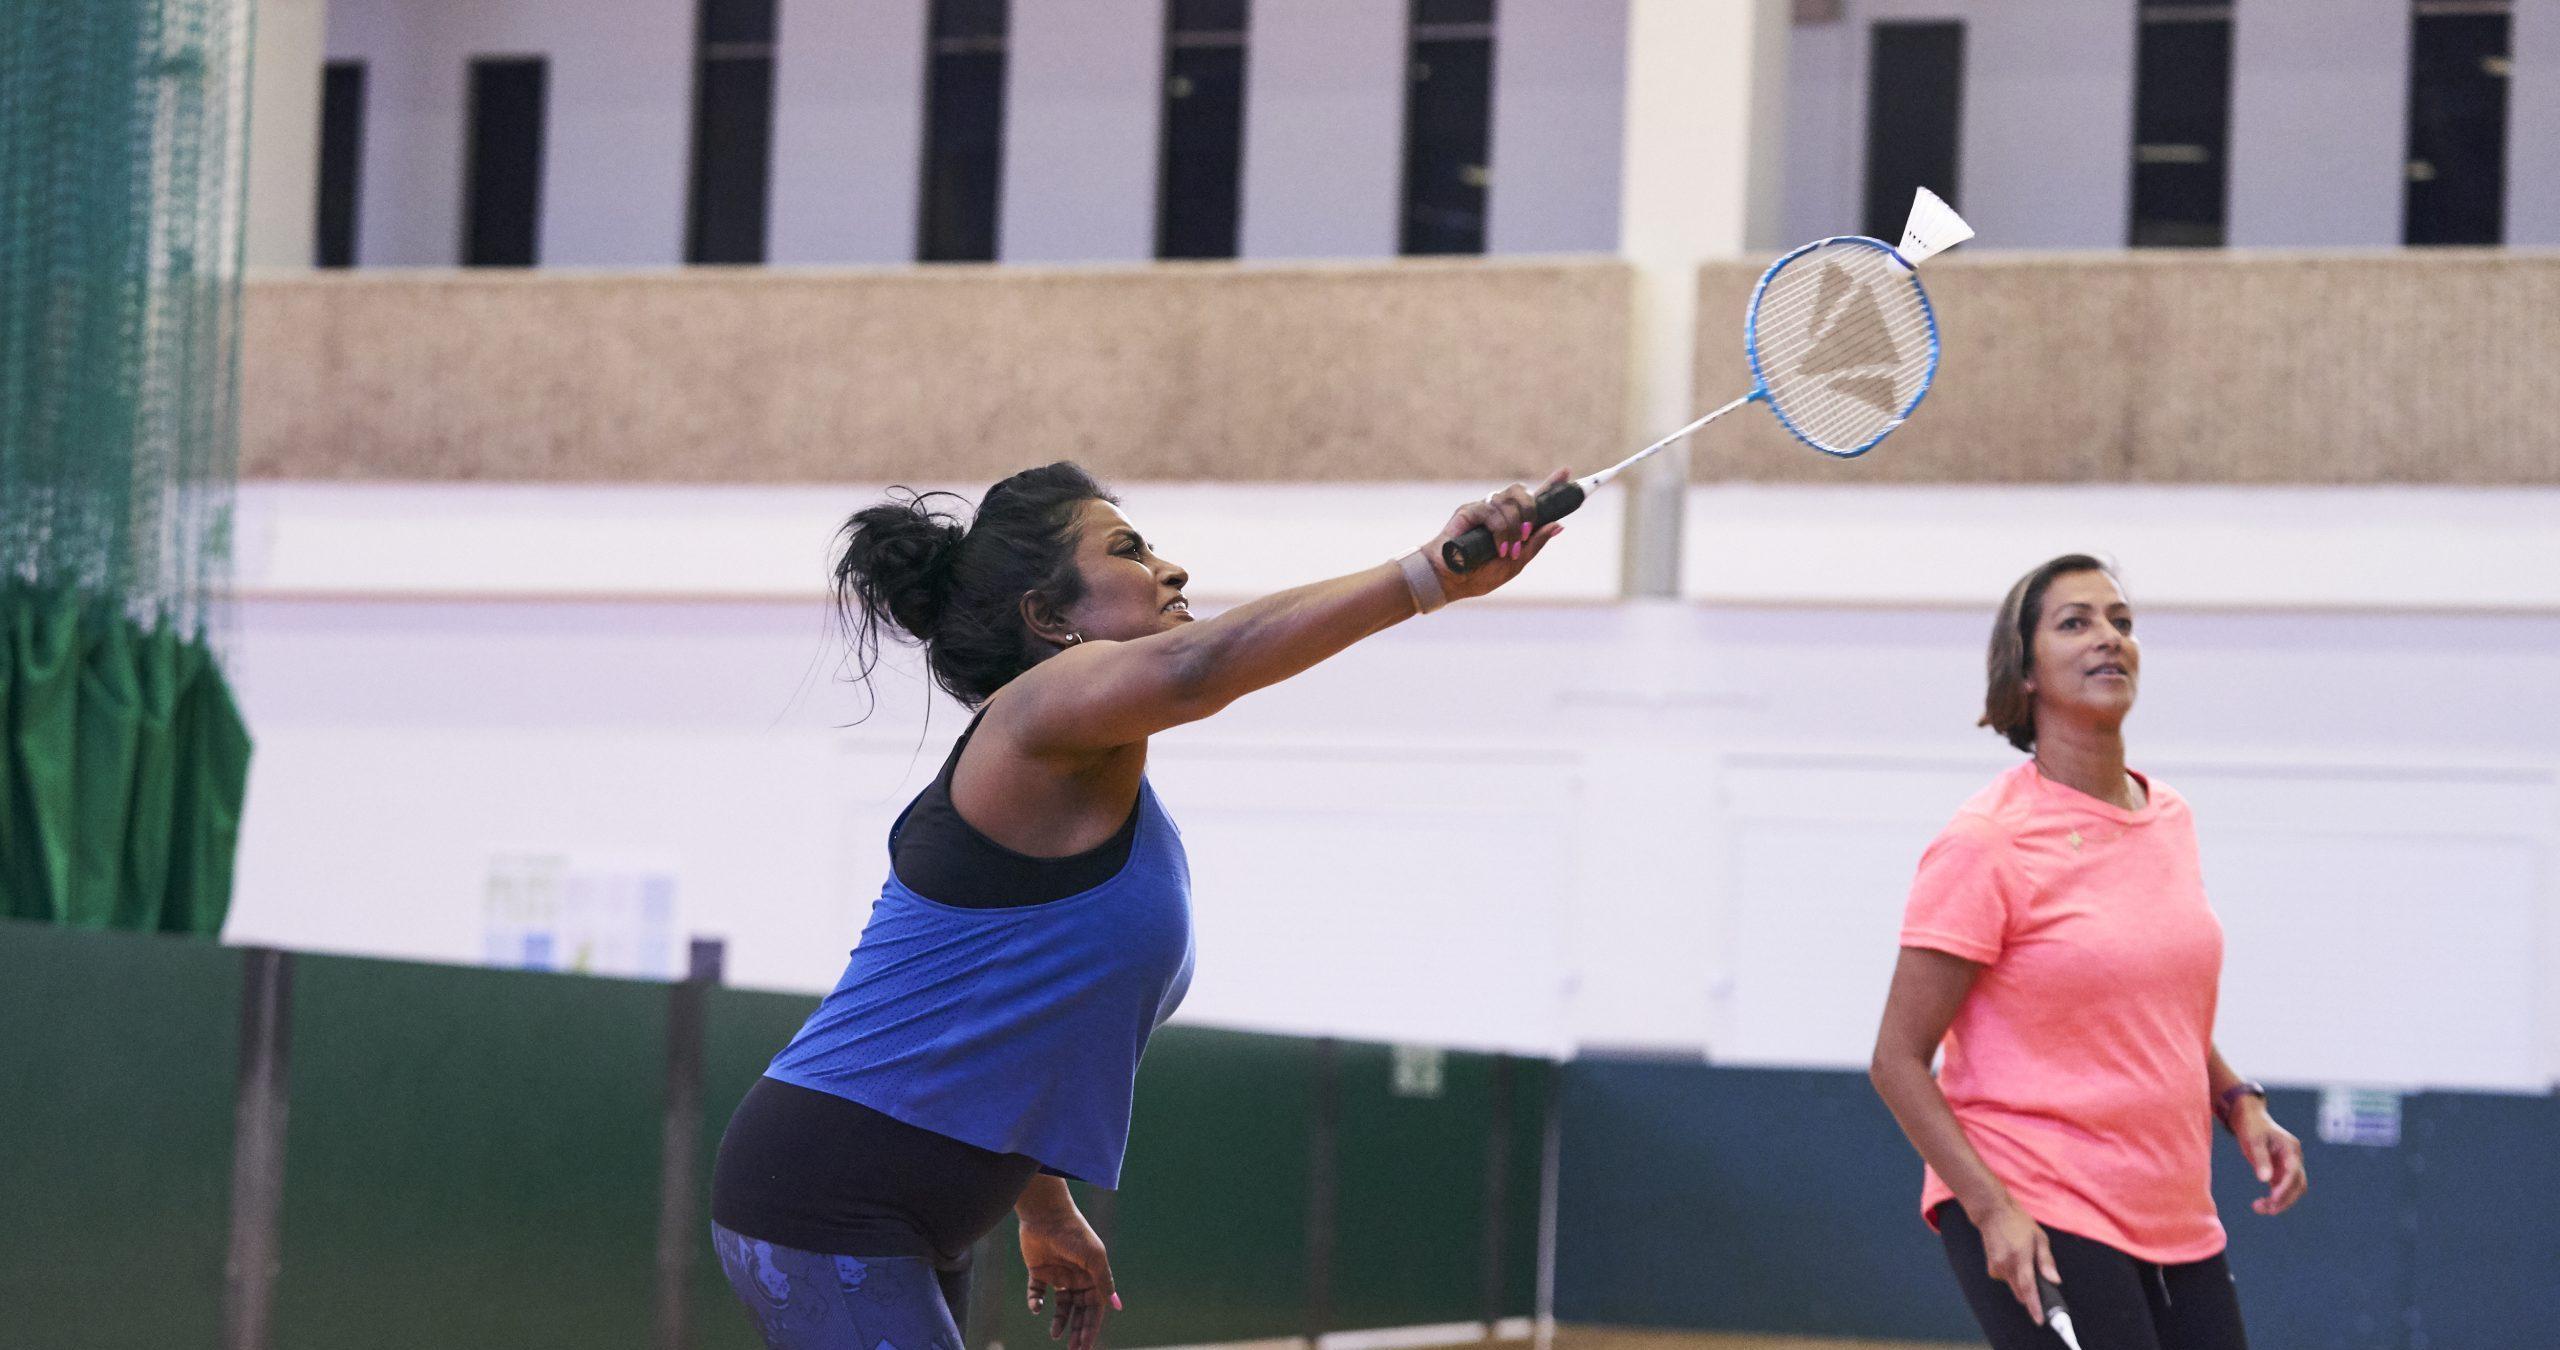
122	135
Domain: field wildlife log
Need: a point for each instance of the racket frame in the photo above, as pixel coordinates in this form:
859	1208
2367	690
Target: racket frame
1751	342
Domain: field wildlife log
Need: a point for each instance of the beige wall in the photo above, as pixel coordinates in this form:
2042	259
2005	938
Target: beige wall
1416	370
2151	368
2407	367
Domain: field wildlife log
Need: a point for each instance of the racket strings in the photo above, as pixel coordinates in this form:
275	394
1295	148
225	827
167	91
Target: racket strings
1845	393
1876	308
1843	342
1847	381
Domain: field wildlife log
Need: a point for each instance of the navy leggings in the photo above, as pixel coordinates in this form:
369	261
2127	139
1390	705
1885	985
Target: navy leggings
811	1301
2117	1302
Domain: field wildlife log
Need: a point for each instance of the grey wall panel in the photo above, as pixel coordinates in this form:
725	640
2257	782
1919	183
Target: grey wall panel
1083	90
2048	122
1792	1176
2318	135
1826	128
2482	1170
848	135
616	139
1797	1182
2332	1271
410	211
1559	120
1324	129
2319	122
617	154
2047	133
2533	126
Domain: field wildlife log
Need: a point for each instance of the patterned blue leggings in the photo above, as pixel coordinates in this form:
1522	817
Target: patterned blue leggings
810	1301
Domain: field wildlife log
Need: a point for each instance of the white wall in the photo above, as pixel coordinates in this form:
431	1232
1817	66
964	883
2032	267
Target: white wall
1323	152
848	131
1323	129
2048	123
2319	122
2319	125
2046	131
1827	130
2533	126
2378	824
615	144
284	132
1559	124
1084	90
1680	826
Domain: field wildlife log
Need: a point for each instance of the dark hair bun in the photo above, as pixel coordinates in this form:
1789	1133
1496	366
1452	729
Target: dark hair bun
903	569
898	559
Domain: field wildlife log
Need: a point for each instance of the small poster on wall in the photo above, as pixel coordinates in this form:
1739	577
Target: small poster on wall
550	910
2360	1115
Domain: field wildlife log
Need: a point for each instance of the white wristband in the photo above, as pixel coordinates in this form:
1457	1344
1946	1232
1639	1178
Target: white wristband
1424	581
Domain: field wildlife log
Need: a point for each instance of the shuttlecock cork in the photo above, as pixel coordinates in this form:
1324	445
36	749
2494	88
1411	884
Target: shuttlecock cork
1934	228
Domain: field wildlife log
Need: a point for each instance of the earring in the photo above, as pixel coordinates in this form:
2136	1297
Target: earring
1074	638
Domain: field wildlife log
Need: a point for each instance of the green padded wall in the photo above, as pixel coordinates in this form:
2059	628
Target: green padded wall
1209	1231
473	1159
1533	1089
116	1096
1410	1222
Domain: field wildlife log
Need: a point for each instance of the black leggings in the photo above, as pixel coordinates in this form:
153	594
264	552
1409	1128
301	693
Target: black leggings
2116	1301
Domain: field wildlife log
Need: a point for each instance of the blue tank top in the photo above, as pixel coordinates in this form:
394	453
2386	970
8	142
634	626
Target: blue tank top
1017	1030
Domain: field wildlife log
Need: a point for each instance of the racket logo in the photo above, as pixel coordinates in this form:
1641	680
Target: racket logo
1852	342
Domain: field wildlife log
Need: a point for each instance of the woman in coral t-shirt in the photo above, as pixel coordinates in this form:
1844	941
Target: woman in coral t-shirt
2058	943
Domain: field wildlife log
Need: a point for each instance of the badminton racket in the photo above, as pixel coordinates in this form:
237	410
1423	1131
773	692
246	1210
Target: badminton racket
2057	1314
1843	345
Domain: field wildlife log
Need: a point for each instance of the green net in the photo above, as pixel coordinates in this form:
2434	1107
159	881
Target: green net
122	141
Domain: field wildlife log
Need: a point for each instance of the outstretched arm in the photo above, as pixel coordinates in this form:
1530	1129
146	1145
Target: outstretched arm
1098	695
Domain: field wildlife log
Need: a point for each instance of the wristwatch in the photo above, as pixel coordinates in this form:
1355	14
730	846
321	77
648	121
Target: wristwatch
2230	1097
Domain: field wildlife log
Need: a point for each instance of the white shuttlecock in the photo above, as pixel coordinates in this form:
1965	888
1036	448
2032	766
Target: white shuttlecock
1934	228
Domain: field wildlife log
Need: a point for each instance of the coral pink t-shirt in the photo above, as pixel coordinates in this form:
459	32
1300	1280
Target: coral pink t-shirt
2077	1063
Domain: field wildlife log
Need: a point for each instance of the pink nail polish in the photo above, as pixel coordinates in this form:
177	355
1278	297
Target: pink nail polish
1115	1303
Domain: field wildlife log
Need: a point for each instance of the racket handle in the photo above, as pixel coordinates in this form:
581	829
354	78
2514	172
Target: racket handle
2056	1314
1465	552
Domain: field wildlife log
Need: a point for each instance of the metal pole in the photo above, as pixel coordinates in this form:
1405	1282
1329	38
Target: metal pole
1497	1194
1550	1188
1323	1188
680	1147
257	1149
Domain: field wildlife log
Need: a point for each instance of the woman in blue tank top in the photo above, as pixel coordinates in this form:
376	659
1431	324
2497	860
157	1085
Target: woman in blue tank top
1034	929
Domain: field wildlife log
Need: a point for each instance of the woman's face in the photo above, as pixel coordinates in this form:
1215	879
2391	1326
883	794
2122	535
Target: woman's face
1129	592
2086	664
